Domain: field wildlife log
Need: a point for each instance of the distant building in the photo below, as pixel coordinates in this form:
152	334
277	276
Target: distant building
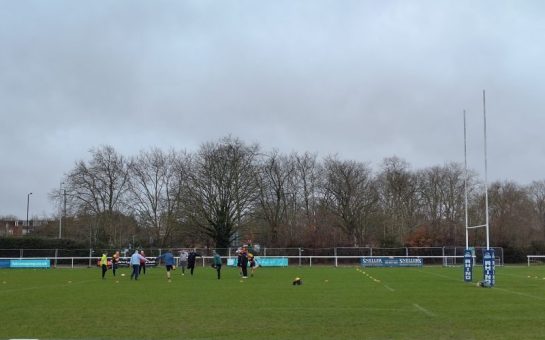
17	227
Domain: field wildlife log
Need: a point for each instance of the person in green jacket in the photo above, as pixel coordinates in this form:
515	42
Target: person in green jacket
216	264
104	264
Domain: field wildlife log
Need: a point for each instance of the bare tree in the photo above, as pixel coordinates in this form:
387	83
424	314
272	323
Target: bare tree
309	221
536	192
98	189
398	189
511	215
153	176
441	191
350	194
221	191
274	194
308	181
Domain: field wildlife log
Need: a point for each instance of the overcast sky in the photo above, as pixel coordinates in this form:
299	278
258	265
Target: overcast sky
362	79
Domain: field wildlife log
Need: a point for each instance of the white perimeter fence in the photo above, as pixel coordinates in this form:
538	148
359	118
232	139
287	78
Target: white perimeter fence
339	256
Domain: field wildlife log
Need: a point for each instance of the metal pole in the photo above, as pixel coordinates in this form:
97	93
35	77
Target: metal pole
465	181
60	211
486	174
27	206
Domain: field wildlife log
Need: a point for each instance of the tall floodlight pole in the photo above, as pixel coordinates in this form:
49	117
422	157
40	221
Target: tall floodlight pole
465	181
60	210
486	174
27	206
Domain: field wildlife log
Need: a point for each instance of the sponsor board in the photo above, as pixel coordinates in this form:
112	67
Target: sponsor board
263	262
45	263
392	262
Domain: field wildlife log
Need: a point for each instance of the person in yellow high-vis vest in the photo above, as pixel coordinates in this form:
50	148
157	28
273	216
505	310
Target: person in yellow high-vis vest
104	264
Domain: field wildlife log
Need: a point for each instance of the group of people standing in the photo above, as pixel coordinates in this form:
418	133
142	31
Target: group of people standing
245	259
186	260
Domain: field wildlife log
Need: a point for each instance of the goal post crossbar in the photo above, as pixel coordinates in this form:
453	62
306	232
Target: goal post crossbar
477	226
530	257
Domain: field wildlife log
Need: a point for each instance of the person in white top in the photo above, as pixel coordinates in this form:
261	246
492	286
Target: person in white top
182	262
135	263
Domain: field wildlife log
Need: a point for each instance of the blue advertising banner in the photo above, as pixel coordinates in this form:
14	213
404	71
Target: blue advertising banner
263	262
391	262
468	265
30	263
489	267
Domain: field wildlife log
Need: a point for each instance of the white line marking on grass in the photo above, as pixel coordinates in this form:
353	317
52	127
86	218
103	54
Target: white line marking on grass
335	308
423	310
521	294
389	288
439	275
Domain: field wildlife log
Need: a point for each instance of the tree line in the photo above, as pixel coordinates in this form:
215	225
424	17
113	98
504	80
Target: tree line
229	191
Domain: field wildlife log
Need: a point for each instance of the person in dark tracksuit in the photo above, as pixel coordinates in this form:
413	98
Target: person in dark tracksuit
216	264
191	260
244	264
239	261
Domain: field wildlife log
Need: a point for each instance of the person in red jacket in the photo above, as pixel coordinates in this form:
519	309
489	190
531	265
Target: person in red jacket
115	261
142	263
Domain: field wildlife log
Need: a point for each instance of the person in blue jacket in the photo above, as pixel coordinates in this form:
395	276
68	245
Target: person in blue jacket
169	262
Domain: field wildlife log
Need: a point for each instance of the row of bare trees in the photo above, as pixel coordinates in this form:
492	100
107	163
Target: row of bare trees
229	191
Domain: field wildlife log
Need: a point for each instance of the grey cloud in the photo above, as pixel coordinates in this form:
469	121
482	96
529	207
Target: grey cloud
363	79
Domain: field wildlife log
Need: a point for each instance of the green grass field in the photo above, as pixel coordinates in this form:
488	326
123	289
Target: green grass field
332	303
